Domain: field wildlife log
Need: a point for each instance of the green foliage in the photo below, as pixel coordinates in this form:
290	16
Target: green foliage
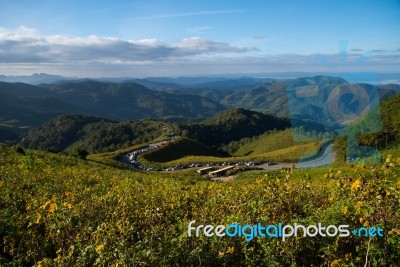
178	149
60	210
111	158
33	105
79	152
267	142
380	127
340	148
58	134
69	132
233	124
289	154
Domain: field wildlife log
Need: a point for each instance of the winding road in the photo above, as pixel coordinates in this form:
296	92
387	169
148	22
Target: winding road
324	157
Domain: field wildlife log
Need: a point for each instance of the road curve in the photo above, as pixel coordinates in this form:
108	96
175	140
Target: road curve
324	157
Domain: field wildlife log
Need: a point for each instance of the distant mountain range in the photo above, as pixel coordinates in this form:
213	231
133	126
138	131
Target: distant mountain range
213	81
34	79
25	105
68	132
94	134
271	96
33	105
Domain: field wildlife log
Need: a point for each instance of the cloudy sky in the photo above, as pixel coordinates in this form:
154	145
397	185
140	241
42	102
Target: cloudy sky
171	38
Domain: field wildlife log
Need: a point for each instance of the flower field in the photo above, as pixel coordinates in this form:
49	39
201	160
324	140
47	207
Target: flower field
63	211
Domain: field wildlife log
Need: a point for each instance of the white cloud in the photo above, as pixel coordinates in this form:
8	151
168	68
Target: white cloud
26	46
197	45
25	51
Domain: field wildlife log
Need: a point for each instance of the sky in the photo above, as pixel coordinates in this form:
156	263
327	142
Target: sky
141	38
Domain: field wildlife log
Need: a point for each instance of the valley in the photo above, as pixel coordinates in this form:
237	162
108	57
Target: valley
199	133
115	116
88	166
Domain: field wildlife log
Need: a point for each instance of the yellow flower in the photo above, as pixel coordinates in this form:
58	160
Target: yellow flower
45	262
70	194
356	185
53	207
230	250
39	216
45	205
361	219
67	205
99	248
358	206
336	263
345	210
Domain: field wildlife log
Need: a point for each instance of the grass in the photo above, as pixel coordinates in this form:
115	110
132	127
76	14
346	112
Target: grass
180	148
111	158
84	214
314	175
293	153
268	142
275	146
159	158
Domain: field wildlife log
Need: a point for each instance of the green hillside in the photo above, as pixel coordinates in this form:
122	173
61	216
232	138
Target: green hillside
233	124
273	97
380	128
270	97
124	101
269	141
59	210
91	133
29	105
32	105
98	135
289	154
281	147
180	148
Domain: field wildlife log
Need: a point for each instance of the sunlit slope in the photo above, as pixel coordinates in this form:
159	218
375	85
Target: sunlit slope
178	149
62	211
268	142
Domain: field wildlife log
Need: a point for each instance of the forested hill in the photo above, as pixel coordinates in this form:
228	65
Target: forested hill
131	101
93	134
233	124
29	105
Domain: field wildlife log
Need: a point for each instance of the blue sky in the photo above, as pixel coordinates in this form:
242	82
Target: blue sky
172	38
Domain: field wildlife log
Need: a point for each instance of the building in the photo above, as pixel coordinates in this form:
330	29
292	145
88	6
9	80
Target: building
205	170
220	172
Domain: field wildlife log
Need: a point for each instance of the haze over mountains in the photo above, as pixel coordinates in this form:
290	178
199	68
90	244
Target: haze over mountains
24	105
357	77
152	98
33	105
